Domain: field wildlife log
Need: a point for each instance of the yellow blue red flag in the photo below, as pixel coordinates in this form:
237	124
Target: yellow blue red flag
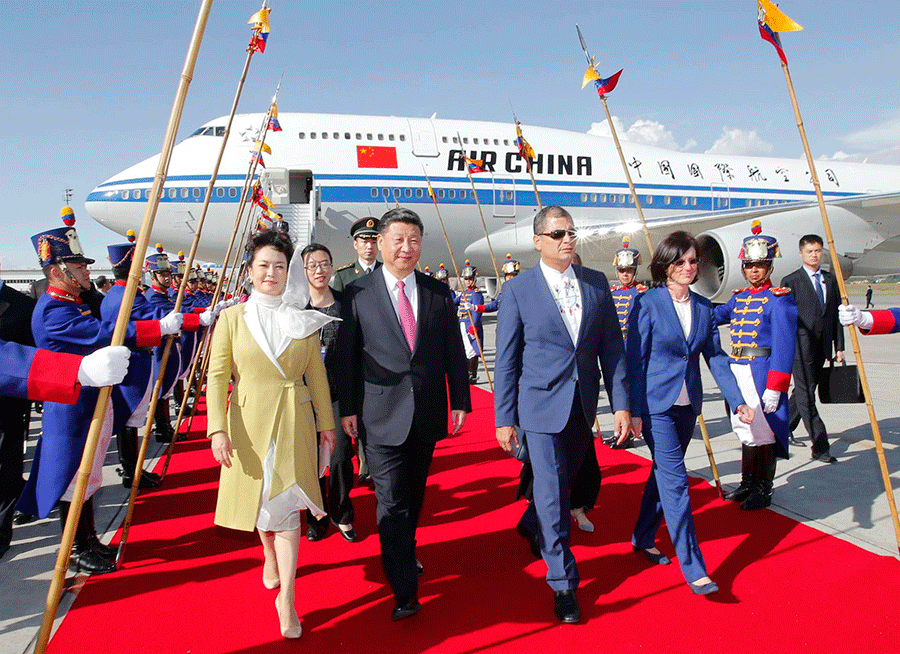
525	148
476	166
260	25
772	21
274	125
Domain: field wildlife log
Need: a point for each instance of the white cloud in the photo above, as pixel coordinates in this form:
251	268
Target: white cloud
890	156
881	136
647	132
740	142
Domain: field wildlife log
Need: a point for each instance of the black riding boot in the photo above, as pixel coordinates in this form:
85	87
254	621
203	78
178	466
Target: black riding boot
127	441
473	370
742	492
764	478
164	431
85	558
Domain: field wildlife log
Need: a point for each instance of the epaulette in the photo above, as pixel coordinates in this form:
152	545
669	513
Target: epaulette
740	290
347	267
641	288
781	290
616	288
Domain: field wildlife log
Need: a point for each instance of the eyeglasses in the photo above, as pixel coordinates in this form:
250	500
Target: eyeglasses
558	234
323	265
681	263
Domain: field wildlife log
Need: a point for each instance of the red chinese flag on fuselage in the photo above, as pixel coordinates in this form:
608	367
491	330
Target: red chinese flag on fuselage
376	156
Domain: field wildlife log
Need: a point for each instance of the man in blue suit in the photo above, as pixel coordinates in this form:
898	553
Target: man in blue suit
556	323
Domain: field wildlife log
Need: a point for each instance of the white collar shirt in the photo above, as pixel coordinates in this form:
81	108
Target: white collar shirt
365	267
566	293
812	280
409	289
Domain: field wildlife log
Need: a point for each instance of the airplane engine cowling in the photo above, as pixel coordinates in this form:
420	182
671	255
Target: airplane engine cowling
720	269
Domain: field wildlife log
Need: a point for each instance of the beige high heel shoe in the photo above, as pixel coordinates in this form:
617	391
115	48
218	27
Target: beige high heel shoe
271	584
583	523
287	630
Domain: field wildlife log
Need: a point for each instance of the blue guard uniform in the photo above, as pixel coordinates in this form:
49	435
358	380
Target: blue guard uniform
623	296
33	374
472	328
509	269
763	325
62	323
887	321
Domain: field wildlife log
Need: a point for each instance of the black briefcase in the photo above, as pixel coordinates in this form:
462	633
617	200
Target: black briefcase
840	385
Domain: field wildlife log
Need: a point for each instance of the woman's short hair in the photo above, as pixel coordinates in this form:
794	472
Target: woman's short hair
272	237
673	247
316	247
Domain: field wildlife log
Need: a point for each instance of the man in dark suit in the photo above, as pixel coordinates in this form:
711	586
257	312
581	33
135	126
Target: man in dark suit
556	324
400	337
15	326
819	337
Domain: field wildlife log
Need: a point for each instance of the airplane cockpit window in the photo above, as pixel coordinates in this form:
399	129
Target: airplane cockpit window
220	130
209	131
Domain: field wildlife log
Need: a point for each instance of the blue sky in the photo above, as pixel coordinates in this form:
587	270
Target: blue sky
87	86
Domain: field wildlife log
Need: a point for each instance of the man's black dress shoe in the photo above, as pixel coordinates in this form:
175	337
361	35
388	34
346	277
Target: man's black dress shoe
402	611
315	532
824	457
420	569
148	480
107	552
20	518
349	535
532	540
365	480
90	562
566	606
794	441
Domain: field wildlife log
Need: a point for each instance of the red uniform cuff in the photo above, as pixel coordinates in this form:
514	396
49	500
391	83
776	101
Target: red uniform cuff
884	322
191	322
778	381
53	377
479	308
148	333
198	310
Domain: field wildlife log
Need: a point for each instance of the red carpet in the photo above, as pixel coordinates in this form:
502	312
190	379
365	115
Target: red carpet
189	586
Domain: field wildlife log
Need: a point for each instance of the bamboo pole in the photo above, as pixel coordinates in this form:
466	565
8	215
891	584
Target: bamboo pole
458	279
481	213
81	478
704	432
142	451
854	337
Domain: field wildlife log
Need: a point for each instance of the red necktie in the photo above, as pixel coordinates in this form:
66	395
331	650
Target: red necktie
407	319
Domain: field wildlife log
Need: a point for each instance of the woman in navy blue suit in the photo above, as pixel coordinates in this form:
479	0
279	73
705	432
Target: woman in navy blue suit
669	328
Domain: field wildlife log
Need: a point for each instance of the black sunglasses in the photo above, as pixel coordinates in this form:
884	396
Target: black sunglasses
557	234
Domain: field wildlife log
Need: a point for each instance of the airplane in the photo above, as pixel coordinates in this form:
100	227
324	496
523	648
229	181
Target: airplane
327	170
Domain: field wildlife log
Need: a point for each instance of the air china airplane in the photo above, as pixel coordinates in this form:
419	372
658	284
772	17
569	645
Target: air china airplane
326	171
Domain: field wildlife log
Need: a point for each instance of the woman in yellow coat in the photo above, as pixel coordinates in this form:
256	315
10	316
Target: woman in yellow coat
266	439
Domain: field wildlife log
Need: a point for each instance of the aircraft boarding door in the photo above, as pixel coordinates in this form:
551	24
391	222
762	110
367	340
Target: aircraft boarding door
297	200
424	141
504	192
720	196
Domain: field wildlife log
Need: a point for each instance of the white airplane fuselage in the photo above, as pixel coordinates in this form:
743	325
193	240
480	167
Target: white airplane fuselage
364	165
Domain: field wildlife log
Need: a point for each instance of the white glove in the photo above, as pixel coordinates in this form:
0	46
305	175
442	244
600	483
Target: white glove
223	304
770	400
208	316
105	367
171	324
848	314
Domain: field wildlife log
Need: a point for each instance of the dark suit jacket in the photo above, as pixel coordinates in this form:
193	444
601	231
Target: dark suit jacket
401	388
813	327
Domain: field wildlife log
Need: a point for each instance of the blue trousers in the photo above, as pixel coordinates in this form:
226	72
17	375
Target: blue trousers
666	492
555	460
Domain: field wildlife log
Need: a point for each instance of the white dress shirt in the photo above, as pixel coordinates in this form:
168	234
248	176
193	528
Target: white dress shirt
409	289
566	293
366	267
812	280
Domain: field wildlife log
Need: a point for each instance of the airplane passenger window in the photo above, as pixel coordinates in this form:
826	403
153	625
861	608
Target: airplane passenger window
172	193
594	198
603	198
302	135
386	192
684	200
184	192
358	136
505	141
667	200
455	140
390	137
396	193
374	192
126	194
462	194
496	141
465	139
509	195
336	135
443	139
403	137
441	193
475	141
347	135
381	137
622	198
420	193
649	199
694	201
408	192
324	135
312	135
196	192
220	192
232	192
630	199
368	137
452	194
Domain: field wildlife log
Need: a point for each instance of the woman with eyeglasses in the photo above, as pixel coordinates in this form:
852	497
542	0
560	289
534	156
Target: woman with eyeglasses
668	330
265	436
336	487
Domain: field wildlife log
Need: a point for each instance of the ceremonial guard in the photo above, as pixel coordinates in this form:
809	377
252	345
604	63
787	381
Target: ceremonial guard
471	305
364	233
626	261
160	270
509	270
763	326
63	323
442	275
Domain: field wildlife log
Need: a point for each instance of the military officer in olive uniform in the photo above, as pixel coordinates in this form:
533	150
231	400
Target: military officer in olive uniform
364	233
